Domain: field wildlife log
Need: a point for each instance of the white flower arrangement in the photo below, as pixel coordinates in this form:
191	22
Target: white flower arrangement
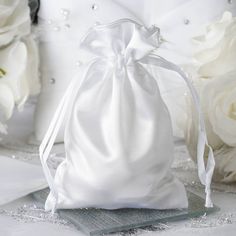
216	81
19	60
14	20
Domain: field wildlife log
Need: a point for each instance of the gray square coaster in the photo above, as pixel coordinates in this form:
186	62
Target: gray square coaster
100	221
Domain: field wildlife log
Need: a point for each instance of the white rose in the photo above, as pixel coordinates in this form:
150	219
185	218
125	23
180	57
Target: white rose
219	99
225	170
14	20
19	76
216	50
191	126
217	88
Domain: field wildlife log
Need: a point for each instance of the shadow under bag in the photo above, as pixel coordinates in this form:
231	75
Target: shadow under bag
118	136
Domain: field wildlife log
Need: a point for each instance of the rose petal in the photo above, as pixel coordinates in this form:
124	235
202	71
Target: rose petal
32	70
225	61
214	33
219	95
6	101
14	20
13	60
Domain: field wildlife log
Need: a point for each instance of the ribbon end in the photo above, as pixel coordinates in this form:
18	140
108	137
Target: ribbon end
208	202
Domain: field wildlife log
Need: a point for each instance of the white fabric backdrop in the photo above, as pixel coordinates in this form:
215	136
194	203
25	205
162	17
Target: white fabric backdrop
175	30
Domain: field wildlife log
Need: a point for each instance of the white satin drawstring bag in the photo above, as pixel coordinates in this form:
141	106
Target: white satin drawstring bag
118	136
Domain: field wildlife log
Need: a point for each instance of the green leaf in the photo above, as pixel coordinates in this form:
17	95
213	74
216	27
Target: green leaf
2	73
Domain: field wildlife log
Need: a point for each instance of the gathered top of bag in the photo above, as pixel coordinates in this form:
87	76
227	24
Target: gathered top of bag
132	40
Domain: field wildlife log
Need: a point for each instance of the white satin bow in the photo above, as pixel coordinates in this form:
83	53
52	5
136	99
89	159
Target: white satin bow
134	44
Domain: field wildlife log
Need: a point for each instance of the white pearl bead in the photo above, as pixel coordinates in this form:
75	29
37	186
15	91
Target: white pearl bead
78	63
65	17
65	13
49	22
186	21
67	26
94	7
52	81
97	23
56	28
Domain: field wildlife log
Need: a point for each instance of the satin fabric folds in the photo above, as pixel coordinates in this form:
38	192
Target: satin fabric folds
118	137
